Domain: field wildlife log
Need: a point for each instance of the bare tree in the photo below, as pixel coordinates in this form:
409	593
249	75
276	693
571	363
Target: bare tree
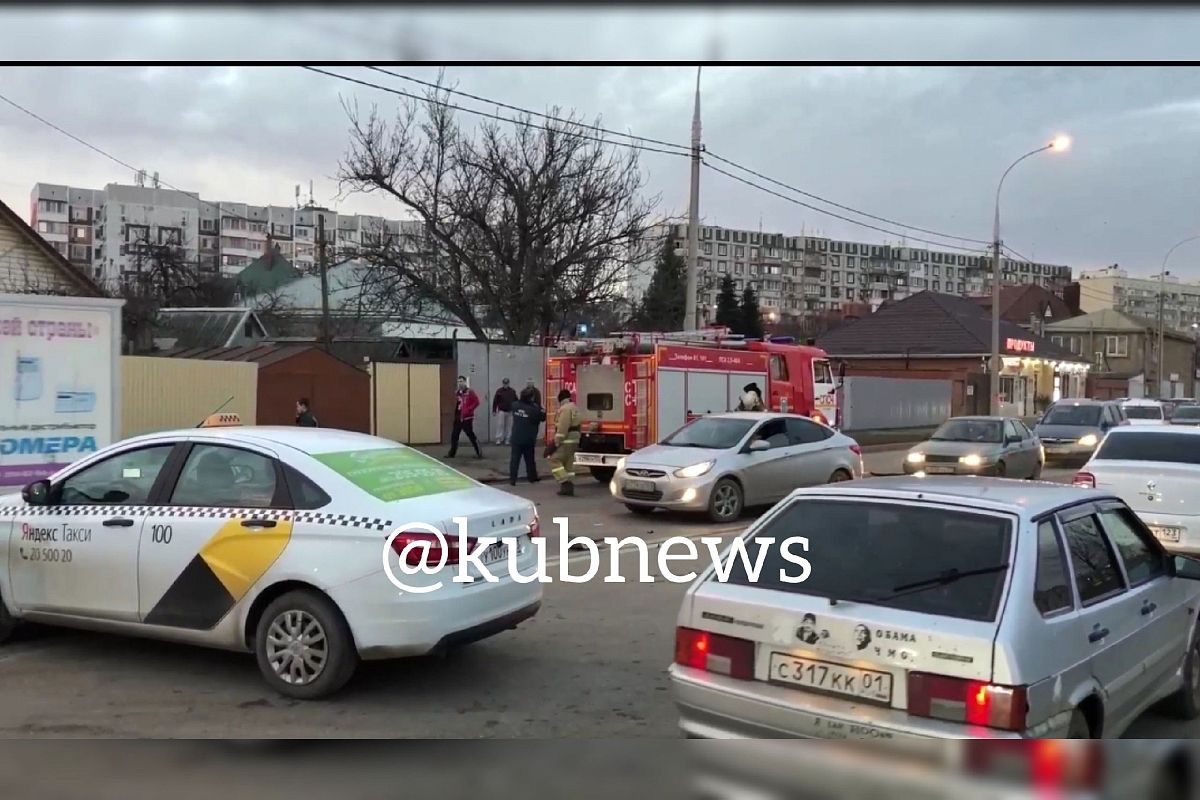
160	276
515	230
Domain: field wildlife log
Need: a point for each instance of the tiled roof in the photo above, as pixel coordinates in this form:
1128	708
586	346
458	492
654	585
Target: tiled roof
929	323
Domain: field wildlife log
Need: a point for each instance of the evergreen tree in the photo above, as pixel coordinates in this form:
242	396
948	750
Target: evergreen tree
752	326
665	302
729	313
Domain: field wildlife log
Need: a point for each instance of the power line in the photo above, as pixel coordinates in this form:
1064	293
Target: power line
489	101
686	148
768	178
819	210
496	117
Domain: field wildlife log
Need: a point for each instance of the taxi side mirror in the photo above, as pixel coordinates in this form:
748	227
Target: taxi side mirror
1187	568
37	493
759	446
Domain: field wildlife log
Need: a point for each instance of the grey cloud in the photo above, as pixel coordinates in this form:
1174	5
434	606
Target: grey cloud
924	145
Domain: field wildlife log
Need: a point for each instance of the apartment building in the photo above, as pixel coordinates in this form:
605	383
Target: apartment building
1113	287
101	230
797	275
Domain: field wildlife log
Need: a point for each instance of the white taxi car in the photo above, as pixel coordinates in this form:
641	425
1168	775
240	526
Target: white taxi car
263	539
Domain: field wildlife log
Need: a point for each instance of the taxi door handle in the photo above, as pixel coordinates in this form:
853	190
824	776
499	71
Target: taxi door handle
118	522
258	523
1097	635
1149	608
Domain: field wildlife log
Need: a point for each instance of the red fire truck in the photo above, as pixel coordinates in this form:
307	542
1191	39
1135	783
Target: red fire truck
634	388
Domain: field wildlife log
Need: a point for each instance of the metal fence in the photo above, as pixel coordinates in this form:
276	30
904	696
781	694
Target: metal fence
888	403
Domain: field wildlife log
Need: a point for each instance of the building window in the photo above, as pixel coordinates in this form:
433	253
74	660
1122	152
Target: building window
937	286
738	270
850	263
722	266
707	248
835	261
52	206
1117	346
740	251
835	277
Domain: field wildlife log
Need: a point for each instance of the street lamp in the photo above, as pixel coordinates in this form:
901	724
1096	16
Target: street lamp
1059	144
1162	291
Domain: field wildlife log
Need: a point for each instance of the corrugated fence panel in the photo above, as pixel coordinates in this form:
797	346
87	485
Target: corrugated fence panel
165	393
391	401
425	406
883	403
406	402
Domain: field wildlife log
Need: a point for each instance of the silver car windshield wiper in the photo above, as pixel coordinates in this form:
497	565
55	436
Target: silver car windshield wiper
942	579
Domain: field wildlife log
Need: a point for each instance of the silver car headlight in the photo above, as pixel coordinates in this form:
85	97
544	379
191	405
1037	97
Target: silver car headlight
971	460
695	470
916	458
1090	440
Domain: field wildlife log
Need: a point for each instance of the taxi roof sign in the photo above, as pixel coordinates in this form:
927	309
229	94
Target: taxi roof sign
222	421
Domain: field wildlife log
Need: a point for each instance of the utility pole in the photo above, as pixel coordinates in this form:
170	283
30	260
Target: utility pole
1162	289
689	315
322	264
997	271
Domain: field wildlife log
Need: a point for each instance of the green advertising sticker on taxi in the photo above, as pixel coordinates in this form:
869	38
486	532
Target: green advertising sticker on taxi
395	473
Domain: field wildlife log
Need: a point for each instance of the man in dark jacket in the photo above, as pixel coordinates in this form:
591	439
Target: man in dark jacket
502	403
304	416
527	418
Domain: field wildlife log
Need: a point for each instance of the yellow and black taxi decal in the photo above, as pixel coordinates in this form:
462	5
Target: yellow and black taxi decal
244	545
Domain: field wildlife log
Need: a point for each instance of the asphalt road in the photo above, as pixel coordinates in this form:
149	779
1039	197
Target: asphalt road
591	664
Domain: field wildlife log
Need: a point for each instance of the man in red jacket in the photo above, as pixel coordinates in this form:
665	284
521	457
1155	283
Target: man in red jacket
464	418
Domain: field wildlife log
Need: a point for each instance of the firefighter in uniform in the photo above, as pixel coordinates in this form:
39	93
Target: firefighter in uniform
566	440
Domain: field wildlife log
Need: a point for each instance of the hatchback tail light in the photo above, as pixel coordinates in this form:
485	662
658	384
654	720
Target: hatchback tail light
1085	480
972	702
535	527
1040	764
432	553
712	652
856	450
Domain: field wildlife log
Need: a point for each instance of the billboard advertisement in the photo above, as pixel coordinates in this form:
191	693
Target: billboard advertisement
59	387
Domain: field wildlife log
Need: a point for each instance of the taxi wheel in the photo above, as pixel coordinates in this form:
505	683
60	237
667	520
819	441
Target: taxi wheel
1079	727
304	647
1037	471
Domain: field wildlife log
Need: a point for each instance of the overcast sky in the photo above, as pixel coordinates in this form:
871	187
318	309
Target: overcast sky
923	146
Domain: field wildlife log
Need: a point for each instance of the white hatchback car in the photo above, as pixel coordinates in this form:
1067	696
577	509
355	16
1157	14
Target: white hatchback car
271	540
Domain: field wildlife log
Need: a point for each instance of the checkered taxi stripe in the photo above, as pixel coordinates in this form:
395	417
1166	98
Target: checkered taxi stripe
316	517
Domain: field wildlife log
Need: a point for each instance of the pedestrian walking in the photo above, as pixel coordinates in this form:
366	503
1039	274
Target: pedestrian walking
527	417
465	404
502	403
566	439
304	416
536	392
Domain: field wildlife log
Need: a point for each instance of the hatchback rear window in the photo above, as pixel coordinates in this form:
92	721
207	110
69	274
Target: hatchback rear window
928	559
1174	448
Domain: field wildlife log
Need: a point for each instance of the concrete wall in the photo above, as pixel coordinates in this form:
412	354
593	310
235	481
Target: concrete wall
883	403
166	393
485	365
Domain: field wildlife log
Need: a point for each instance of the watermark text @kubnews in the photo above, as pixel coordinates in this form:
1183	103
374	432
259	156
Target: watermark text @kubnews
475	557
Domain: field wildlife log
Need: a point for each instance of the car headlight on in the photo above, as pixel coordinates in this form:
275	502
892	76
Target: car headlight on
695	470
1090	440
621	463
916	458
971	460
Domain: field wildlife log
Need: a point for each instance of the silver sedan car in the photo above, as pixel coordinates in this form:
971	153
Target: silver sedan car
957	607
725	462
998	446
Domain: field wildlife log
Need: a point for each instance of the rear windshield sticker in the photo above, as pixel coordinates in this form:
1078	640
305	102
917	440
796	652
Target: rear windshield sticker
395	473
